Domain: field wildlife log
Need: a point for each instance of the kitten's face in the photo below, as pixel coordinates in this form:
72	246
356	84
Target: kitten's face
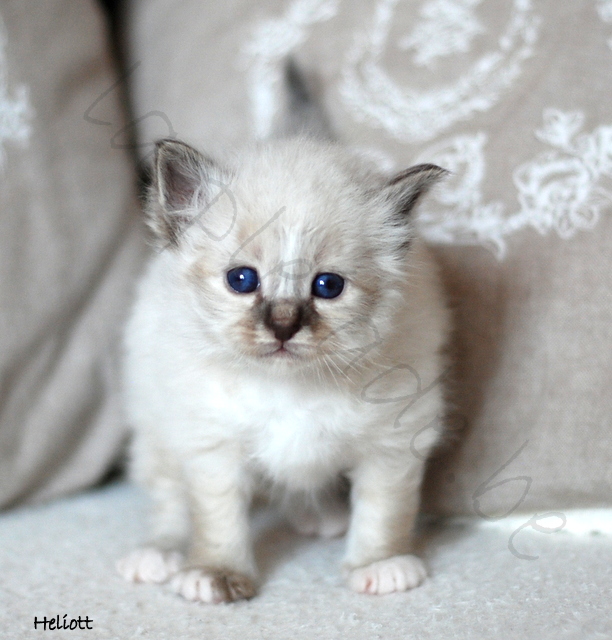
295	263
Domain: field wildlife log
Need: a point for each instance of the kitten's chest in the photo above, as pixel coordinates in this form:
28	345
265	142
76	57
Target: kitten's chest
301	438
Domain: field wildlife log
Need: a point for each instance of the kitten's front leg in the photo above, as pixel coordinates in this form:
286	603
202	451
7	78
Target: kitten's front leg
385	502
163	555
220	566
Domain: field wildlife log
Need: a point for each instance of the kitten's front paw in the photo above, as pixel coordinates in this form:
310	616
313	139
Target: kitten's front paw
398	573
150	564
212	586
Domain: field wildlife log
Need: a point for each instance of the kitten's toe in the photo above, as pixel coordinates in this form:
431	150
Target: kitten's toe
150	564
212	586
398	573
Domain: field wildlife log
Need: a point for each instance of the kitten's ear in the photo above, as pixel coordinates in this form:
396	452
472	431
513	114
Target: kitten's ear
406	188
181	176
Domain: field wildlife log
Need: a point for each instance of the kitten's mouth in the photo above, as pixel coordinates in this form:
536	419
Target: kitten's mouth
280	351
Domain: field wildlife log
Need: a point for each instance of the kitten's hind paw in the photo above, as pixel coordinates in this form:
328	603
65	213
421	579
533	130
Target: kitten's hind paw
398	573
150	564
212	586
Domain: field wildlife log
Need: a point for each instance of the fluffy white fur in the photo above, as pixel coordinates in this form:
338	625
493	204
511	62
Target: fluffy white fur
219	412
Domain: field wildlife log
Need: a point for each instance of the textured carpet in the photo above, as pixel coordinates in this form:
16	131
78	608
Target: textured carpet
59	559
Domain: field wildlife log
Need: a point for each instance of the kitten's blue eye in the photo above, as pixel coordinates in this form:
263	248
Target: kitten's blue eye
243	279
327	285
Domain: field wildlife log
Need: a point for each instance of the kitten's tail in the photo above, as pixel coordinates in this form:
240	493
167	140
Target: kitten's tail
303	114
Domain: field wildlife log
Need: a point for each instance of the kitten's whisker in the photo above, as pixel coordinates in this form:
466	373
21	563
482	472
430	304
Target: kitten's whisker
329	362
331	373
350	364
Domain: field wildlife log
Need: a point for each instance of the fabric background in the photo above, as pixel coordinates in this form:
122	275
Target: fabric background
513	97
70	245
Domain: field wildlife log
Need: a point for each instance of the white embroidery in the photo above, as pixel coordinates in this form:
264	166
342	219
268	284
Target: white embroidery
15	109
456	213
446	27
558	190
265	53
604	9
410	114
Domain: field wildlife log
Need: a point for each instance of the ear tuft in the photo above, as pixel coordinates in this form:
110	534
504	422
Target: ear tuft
180	175
406	188
177	174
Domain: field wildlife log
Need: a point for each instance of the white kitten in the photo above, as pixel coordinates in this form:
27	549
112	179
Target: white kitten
287	333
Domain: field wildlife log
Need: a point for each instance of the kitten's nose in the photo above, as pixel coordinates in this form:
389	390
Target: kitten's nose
284	319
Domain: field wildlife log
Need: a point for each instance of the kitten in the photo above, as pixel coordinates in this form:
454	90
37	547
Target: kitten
287	334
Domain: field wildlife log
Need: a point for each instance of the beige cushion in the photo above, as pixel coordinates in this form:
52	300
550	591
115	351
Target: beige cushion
513	97
69	248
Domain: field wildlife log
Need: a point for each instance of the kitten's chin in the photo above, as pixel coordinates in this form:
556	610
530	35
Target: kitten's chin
284	356
281	352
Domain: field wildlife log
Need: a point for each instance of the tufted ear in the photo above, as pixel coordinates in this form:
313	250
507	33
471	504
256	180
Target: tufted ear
180	189
406	188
